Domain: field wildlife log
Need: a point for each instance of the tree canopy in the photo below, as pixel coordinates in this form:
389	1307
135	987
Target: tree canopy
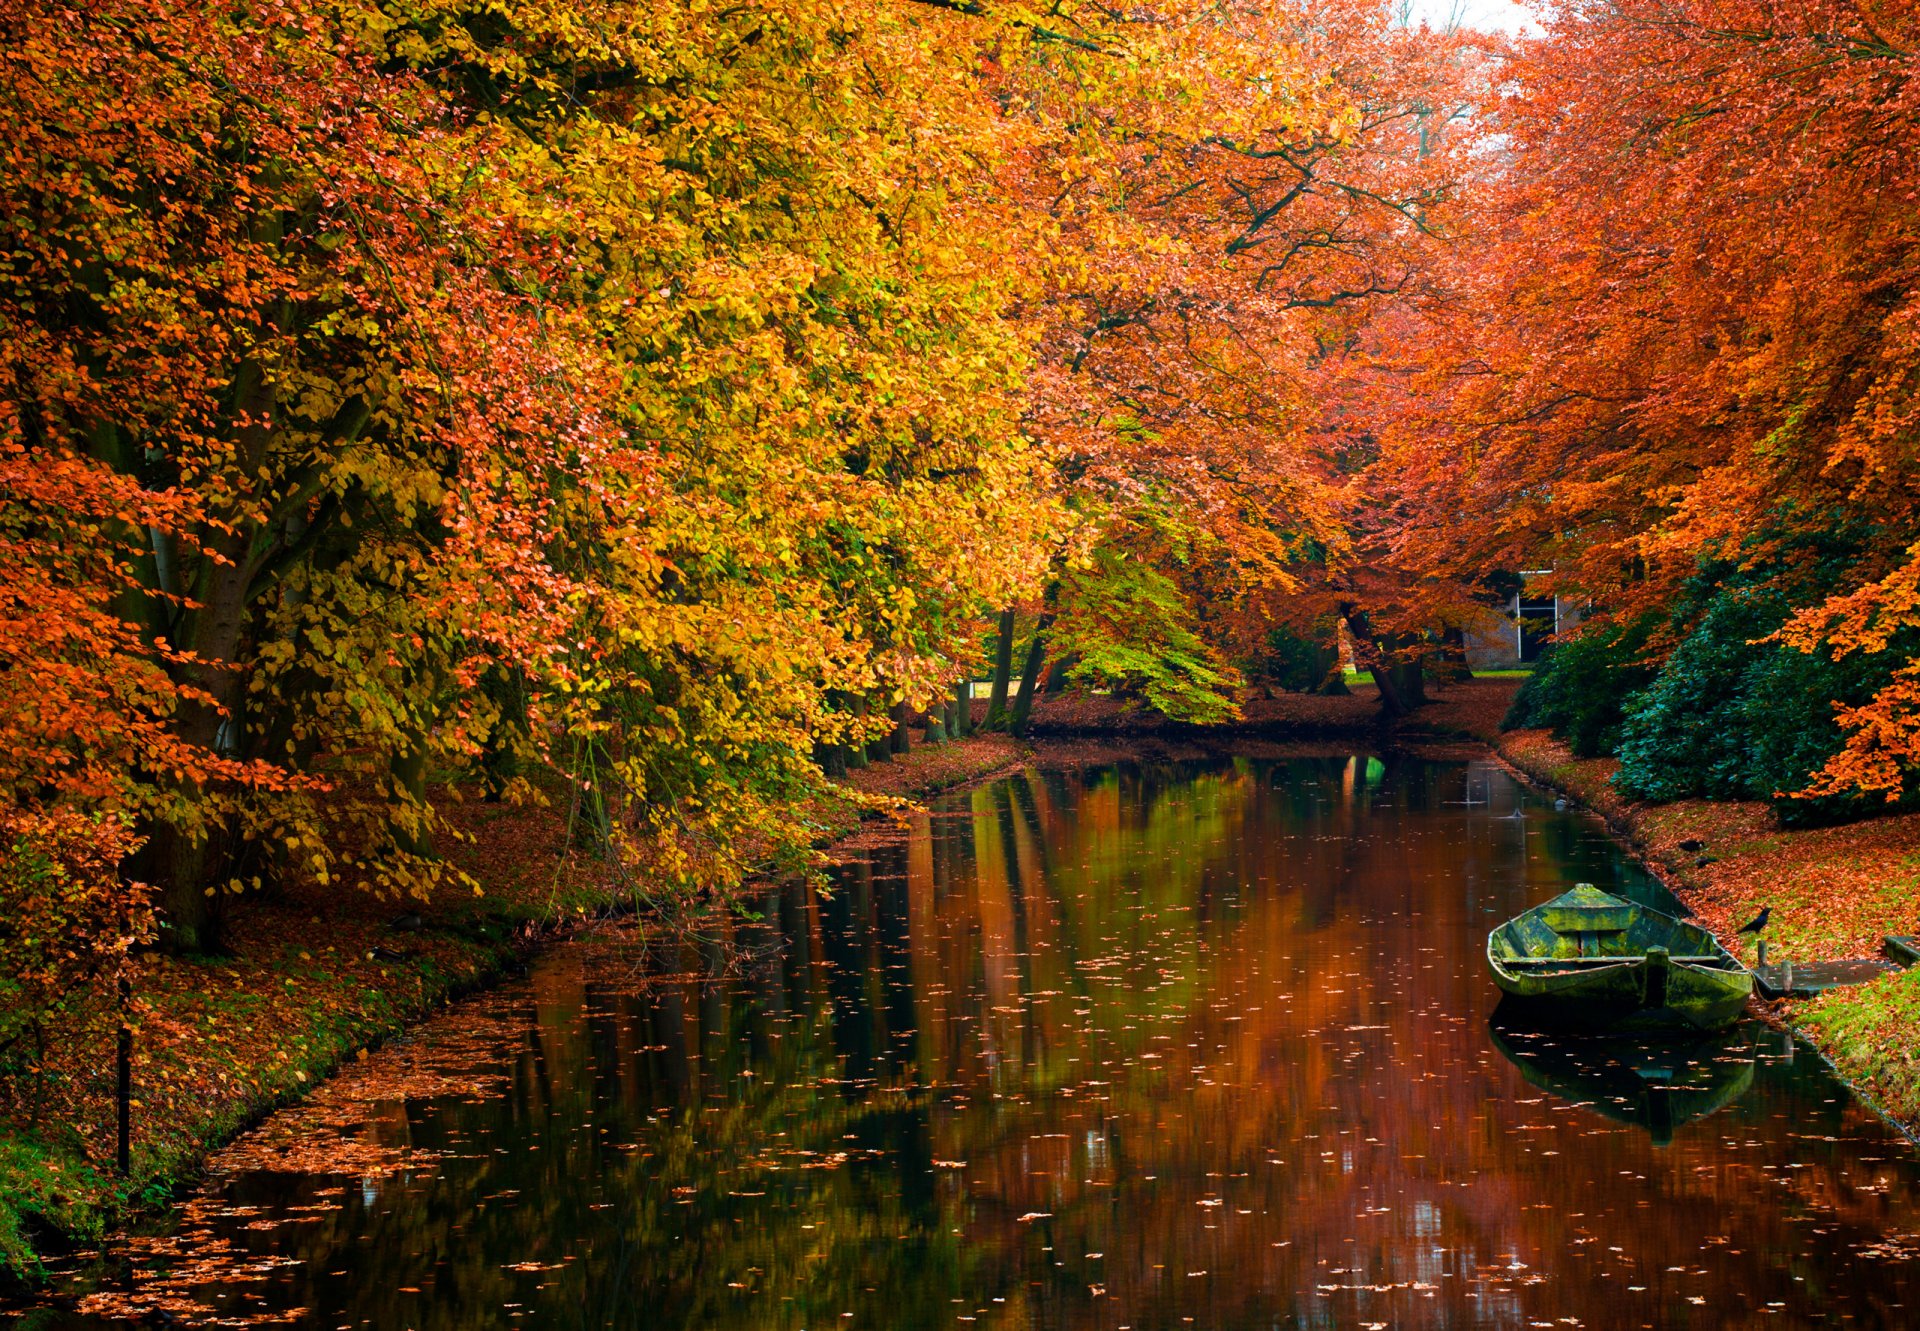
636	405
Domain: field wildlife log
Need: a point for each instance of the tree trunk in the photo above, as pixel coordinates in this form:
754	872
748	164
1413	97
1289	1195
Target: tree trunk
123	1058
880	747
856	748
1030	678
902	727
1451	667
1057	673
936	732
962	708
1406	671
191	869
408	766
1369	656
189	866
831	759
832	756
500	760
123	1095
1409	681
591	817
1002	672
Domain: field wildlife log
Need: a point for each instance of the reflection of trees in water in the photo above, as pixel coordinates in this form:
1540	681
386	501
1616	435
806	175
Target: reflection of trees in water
1226	1020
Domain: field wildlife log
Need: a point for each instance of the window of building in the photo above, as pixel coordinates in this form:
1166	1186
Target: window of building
1539	619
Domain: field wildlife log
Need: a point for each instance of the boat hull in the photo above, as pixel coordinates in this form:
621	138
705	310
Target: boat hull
1593	961
1617	1001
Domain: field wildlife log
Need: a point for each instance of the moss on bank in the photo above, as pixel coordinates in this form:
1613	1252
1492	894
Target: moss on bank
313	978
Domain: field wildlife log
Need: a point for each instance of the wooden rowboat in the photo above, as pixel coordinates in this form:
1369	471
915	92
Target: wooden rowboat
1590	959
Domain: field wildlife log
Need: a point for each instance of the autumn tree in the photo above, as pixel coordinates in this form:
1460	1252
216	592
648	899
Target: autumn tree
403	391
1675	329
1218	193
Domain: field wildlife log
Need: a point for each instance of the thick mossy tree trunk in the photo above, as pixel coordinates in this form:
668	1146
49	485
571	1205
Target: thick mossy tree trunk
902	737
960	717
1409	679
1002	672
1030	678
1398	682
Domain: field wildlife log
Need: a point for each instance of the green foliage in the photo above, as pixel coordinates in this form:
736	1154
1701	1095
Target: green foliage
1732	716
1579	687
1130	630
1525	707
1296	662
1686	734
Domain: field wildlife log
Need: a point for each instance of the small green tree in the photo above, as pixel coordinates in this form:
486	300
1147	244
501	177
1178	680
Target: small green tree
1127	628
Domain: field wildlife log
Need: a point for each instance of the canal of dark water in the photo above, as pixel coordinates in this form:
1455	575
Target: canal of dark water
1144	1046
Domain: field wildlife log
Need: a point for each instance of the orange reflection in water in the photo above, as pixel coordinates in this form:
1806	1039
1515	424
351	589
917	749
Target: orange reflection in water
1192	1045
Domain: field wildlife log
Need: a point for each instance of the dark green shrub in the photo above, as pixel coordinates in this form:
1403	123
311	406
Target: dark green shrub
1526	701
1731	717
1297	663
1686	733
1580	686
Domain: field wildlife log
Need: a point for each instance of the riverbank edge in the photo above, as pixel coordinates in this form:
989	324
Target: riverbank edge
1869	1035
55	1199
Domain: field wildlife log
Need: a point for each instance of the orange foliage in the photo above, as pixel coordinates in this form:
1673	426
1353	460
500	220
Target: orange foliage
1210	216
1675	325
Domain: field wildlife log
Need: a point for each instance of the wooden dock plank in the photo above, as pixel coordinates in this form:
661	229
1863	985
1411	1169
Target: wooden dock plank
1786	980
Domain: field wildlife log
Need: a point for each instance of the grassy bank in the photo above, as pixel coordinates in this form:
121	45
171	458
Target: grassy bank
313	978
